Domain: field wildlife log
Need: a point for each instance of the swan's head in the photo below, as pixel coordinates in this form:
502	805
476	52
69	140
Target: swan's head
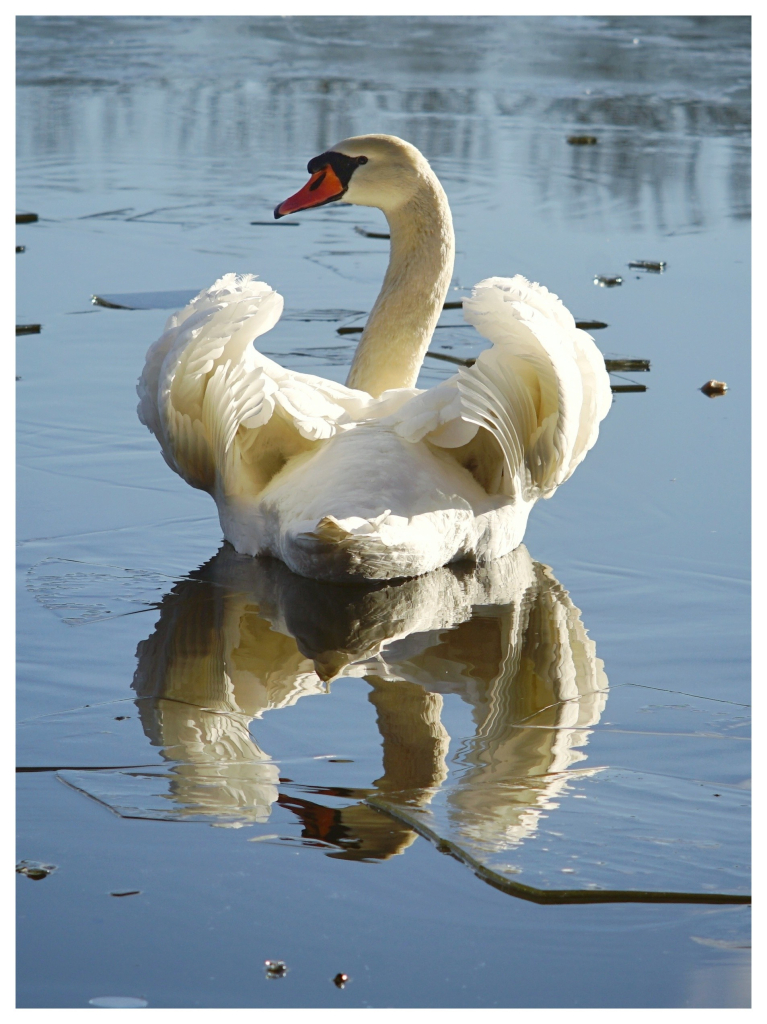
367	170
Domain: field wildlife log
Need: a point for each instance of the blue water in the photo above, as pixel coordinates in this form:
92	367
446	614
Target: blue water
277	769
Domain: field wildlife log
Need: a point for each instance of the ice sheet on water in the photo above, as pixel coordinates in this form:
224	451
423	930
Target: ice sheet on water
599	829
81	592
147	300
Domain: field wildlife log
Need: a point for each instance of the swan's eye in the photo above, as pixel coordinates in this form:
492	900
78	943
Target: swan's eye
362	159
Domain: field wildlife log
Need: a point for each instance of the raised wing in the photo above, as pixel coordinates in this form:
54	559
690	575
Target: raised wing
525	414
226	416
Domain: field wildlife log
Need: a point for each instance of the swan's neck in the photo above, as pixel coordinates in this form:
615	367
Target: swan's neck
402	321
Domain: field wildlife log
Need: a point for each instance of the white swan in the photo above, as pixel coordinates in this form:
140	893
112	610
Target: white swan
376	479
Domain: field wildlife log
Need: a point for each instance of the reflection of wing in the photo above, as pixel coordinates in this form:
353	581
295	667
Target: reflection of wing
214	649
220	770
525	664
212	664
525	414
531	720
214	403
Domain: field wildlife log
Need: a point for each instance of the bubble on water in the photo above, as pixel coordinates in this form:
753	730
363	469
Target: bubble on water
275	968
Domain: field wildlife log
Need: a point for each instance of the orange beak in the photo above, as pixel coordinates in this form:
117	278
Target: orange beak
323	187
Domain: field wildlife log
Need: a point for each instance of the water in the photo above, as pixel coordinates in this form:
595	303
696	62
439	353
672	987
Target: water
577	732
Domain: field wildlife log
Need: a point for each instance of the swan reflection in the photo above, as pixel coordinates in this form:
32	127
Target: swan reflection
241	637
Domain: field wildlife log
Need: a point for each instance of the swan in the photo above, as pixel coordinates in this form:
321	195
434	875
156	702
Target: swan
376	479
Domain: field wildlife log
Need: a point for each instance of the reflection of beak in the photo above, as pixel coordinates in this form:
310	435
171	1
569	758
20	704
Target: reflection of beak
323	187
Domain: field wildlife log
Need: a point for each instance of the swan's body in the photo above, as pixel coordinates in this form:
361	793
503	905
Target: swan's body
376	479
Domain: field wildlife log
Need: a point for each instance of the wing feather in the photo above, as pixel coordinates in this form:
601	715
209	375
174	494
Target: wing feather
211	399
536	397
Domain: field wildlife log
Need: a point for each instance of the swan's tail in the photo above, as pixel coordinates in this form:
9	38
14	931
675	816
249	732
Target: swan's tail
384	547
330	530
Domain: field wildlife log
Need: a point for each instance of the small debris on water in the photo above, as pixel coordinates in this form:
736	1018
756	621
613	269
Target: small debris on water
590	325
121	718
28	328
451	359
582	140
446	305
627	365
340	979
714	388
126	892
371	234
26	218
653	266
275	968
34	869
21	248
608	280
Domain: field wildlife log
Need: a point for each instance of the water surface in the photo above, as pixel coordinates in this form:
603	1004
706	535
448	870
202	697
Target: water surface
572	720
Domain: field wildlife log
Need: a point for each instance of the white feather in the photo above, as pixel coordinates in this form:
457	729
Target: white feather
539	392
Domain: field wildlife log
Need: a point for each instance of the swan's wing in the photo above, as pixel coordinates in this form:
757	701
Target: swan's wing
525	414
225	415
